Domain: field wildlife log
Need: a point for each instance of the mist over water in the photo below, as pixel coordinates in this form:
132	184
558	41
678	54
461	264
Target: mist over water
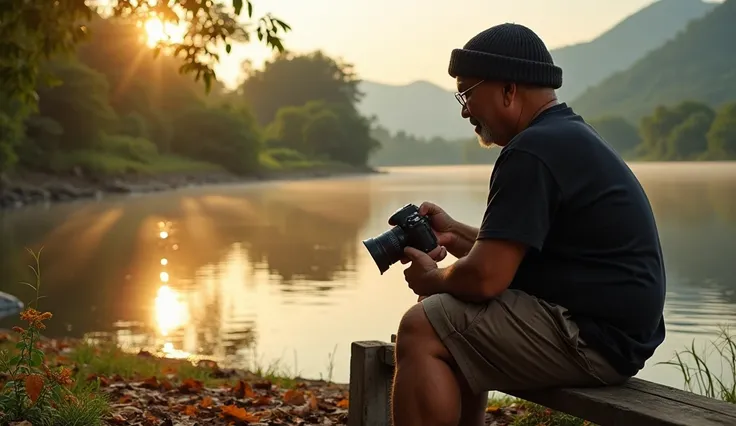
259	273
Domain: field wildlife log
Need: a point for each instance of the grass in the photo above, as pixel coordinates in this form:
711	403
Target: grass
527	413
111	164
699	377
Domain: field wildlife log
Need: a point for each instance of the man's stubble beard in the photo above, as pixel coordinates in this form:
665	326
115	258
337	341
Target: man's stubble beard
485	137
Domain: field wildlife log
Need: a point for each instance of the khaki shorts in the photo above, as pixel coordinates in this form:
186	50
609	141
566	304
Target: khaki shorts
516	342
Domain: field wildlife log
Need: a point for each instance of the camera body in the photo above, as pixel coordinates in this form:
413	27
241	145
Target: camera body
410	229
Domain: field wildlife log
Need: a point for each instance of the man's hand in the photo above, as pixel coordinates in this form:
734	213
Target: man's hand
441	223
420	275
456	237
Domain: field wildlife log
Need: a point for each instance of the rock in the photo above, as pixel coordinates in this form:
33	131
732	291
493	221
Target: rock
117	187
8	198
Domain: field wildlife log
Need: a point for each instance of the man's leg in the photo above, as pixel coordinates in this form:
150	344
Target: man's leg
512	342
426	391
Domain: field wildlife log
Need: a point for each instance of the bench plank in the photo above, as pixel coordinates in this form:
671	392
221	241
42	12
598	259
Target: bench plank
635	403
370	385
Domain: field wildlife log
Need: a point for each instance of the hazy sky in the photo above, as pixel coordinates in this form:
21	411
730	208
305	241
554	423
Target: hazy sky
400	41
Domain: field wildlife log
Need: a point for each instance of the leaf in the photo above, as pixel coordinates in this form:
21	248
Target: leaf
238	6
294	397
206	402
34	385
191	386
191	411
243	390
231	412
343	403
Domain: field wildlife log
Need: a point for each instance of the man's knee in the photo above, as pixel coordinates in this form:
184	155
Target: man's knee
417	334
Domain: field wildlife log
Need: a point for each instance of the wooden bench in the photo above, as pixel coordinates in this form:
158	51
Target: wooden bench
636	403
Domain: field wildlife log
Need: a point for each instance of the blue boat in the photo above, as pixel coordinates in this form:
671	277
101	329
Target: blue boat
9	305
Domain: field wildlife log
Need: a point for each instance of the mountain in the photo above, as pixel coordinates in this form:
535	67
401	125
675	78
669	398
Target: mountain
586	64
421	108
427	110
698	64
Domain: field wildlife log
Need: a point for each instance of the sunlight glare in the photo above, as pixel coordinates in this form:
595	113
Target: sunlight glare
170	311
159	31
155	31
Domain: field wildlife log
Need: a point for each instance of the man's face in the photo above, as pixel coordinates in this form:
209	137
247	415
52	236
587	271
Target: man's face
488	108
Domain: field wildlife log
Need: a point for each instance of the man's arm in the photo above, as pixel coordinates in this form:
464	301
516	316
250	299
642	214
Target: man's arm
466	236
486	271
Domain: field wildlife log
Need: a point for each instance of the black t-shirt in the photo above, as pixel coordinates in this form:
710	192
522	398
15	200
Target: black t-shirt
594	247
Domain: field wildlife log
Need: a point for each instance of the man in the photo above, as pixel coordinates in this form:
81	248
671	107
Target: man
563	283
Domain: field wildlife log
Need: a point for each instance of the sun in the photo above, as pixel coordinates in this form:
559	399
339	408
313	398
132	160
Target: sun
155	32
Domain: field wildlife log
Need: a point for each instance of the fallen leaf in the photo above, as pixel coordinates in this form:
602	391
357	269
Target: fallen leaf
294	397
191	411
206	402
238	413
191	386
243	390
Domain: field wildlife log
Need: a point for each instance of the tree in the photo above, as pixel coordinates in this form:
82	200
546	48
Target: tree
619	133
656	129
34	31
722	134
687	140
221	135
293	80
319	129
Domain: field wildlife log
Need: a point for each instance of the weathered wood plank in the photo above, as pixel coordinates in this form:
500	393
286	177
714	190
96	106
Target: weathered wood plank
635	403
370	385
628	404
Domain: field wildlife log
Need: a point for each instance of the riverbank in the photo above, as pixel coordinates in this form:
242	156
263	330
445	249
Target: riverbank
25	188
123	388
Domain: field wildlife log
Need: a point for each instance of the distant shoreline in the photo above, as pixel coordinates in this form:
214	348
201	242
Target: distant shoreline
26	189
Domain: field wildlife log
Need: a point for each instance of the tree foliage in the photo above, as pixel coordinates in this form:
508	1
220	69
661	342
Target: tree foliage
293	80
722	134
34	31
115	109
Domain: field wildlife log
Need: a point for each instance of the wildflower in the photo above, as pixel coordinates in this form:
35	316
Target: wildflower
35	318
63	377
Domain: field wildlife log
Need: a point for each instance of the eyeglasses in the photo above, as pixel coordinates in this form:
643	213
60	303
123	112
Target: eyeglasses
462	96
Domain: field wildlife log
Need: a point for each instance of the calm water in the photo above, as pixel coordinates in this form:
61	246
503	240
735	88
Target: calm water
276	272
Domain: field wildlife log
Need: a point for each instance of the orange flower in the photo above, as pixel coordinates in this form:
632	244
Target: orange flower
35	318
63	377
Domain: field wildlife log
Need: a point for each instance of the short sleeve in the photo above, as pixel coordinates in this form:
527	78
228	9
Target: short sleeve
522	200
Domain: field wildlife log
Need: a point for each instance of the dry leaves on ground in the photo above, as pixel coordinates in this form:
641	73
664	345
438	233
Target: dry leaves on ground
154	402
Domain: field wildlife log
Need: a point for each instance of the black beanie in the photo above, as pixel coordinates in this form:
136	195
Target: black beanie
507	52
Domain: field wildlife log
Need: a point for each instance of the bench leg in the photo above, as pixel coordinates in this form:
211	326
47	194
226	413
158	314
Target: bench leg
370	384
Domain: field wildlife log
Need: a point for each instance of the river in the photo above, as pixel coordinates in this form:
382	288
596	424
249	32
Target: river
275	274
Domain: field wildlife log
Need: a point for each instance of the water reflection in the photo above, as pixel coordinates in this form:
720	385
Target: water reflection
180	273
225	272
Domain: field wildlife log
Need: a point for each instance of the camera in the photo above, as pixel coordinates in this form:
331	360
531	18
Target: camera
409	229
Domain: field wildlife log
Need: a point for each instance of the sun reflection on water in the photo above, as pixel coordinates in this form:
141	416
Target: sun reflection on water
171	311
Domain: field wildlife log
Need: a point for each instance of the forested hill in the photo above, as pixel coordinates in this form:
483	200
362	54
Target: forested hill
428	111
587	64
696	65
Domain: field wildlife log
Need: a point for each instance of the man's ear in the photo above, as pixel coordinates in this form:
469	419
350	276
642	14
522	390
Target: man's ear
509	91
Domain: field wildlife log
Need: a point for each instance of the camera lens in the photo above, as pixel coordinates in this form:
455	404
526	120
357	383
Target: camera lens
387	248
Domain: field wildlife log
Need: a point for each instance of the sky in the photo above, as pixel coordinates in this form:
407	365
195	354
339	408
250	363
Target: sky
401	41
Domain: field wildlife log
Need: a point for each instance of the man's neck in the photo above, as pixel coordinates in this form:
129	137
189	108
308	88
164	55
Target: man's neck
536	106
